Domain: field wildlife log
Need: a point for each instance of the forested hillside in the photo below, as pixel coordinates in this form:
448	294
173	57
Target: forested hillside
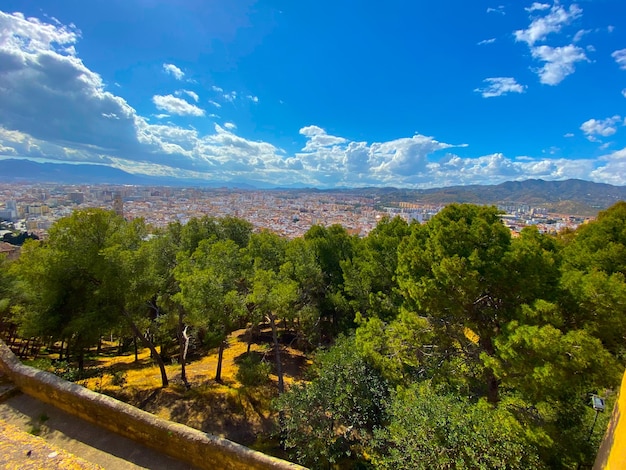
444	345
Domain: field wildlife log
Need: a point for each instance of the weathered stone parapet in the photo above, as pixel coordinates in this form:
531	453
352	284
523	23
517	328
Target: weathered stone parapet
189	445
612	452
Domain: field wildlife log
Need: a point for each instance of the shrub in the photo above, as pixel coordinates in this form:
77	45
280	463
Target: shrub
253	371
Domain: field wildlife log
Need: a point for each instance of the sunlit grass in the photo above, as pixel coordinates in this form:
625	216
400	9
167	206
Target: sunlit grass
229	408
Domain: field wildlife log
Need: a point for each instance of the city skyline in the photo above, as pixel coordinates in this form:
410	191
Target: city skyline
322	95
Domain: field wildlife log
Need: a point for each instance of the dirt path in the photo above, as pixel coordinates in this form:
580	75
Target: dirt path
60	435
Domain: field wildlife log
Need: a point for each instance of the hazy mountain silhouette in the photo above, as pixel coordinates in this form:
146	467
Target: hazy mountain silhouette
570	196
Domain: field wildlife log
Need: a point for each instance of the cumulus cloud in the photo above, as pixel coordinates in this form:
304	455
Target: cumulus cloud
612	168
174	105
620	58
559	62
536	6
54	107
553	22
230	125
601	127
498	86
174	71
317	137
47	92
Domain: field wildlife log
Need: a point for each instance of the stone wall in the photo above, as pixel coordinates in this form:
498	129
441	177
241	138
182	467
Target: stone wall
612	452
176	440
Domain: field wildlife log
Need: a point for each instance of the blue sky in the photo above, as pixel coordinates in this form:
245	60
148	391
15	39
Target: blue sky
325	94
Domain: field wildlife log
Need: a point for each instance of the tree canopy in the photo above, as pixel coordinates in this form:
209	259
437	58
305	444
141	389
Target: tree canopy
449	344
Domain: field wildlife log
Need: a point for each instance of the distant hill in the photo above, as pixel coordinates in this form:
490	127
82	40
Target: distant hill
567	197
571	196
16	170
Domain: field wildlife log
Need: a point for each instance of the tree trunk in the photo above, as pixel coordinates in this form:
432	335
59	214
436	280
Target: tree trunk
146	342
183	344
61	350
220	356
81	362
279	365
68	350
136	350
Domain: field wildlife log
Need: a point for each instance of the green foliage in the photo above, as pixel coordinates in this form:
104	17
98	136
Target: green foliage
118	378
429	430
454	313
69	283
253	371
331	419
370	275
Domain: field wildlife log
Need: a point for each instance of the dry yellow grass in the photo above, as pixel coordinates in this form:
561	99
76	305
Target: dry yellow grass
228	409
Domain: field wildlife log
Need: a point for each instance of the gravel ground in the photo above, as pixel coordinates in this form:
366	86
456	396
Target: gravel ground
22	451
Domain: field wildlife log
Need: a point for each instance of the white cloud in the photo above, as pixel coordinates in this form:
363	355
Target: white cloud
498	9
53	107
553	22
217	89
624	92
232	96
161	116
498	86
230	126
569	135
317	137
171	69
174	105
215	103
536	6
486	41
620	58
580	34
601	127
611	168
193	95
254	99
559	62
48	93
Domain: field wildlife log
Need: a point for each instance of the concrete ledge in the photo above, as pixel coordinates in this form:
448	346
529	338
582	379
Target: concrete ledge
189	445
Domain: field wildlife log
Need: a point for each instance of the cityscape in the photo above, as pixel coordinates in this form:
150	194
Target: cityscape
290	213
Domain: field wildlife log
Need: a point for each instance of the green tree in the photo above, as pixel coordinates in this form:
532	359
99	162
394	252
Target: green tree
272	296
462	272
69	280
332	246
451	270
302	267
370	275
330	420
428	430
136	288
213	286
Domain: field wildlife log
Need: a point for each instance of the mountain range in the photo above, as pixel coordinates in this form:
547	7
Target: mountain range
568	197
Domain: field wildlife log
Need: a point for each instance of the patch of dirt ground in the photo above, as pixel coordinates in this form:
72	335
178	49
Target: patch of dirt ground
227	409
